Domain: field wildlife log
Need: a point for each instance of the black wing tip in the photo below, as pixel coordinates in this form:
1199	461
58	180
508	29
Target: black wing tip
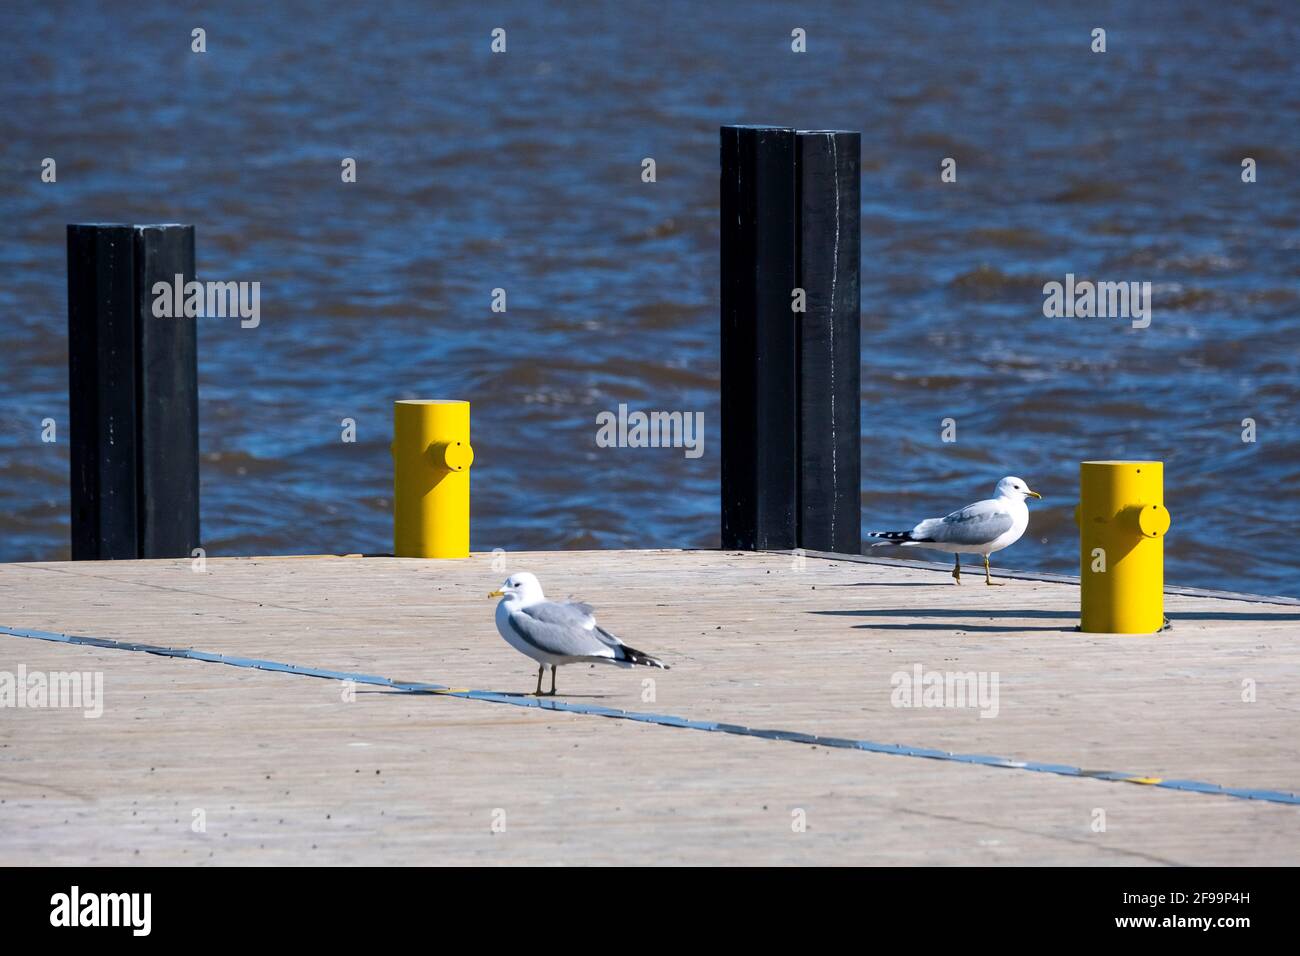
633	656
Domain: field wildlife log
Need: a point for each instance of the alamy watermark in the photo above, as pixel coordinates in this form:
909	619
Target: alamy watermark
651	430
130	910
208	300
922	688
61	689
1102	300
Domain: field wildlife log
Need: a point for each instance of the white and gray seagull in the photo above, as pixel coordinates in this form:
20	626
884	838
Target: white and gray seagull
558	632
982	528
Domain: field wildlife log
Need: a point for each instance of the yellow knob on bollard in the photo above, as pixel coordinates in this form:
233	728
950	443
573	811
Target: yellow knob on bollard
431	460
1122	524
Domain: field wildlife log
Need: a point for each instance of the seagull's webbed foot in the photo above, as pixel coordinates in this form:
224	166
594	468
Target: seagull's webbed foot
956	569
554	668
988	579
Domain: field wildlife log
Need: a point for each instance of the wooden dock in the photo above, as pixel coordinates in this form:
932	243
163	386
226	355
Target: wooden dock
284	768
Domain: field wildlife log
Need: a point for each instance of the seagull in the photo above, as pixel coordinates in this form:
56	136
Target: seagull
982	528
556	633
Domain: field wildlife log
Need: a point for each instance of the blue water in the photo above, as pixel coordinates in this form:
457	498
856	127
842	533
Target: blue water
522	171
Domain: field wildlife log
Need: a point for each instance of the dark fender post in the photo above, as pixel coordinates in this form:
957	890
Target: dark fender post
101	391
168	412
132	394
791	447
830	464
758	338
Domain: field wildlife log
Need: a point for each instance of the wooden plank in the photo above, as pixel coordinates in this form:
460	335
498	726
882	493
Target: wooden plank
168	414
830	356
284	767
759	361
102	391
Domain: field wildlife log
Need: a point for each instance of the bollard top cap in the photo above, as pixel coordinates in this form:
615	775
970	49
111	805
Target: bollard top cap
1124	461
429	401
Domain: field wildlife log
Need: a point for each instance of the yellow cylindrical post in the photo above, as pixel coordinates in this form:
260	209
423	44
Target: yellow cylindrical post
431	461
1122	524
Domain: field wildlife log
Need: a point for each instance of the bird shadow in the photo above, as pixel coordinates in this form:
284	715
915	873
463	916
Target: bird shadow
1228	616
969	618
989	628
499	693
949	612
522	695
948	620
887	584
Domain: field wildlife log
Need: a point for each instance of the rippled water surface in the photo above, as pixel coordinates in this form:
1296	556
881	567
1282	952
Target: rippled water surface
522	172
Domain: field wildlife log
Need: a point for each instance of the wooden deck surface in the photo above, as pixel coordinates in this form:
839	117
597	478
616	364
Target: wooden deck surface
286	770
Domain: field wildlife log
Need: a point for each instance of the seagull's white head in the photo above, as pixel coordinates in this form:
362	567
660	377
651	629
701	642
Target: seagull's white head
521	587
1015	489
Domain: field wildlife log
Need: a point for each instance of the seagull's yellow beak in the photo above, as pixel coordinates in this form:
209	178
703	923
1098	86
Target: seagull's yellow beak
1034	494
497	593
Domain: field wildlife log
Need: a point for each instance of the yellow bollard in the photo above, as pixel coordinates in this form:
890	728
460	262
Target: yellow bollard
1122	524
431	460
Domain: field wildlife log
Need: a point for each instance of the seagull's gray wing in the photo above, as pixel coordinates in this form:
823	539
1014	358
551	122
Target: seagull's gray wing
976	524
565	630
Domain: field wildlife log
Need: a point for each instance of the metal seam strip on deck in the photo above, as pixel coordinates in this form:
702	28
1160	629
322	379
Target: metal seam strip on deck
665	720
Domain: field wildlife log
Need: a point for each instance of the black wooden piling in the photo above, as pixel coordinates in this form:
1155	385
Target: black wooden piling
830	469
168	416
132	394
790	379
101	391
758	369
